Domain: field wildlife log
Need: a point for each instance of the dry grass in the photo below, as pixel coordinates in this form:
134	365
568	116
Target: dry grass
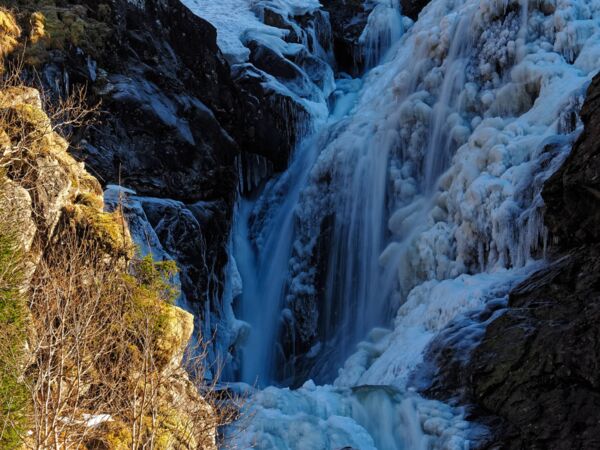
9	33
98	351
100	338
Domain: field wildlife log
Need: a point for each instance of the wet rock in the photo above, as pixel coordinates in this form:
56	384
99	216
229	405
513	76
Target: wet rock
348	20
572	195
268	109
161	145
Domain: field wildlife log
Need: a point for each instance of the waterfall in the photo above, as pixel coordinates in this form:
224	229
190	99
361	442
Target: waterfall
384	27
264	272
415	202
264	231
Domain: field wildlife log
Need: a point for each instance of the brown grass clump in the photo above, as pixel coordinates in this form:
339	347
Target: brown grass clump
9	33
107	367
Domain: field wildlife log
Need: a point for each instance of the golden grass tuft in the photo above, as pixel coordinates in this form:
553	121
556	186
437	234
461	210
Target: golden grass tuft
9	32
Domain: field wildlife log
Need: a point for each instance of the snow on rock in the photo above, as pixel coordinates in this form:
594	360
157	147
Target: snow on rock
231	18
235	20
283	46
389	357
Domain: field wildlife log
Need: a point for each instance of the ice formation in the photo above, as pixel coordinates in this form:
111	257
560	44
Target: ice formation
235	20
424	188
365	418
384	27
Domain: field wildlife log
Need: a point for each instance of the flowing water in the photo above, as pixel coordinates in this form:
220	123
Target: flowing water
265	274
414	201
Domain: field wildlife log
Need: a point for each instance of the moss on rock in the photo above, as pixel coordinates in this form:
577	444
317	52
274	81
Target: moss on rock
14	316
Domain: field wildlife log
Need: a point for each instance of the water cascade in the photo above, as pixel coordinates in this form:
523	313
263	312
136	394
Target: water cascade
413	203
264	274
384	27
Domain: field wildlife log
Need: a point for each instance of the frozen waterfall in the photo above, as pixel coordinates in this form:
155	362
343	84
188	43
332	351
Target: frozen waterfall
415	201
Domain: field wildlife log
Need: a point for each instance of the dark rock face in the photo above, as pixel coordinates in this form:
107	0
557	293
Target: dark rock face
412	8
187	233
271	110
538	364
178	125
572	195
348	20
176	117
534	376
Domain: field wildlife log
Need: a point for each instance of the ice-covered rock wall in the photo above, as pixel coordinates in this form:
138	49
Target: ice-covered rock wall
424	204
280	55
437	172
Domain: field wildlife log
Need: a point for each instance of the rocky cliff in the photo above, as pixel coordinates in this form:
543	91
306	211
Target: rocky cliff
533	375
177	123
76	297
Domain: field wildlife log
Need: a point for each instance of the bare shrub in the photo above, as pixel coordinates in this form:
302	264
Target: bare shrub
102	366
100	354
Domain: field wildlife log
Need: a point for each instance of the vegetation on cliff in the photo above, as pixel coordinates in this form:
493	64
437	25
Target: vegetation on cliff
13	325
92	347
48	25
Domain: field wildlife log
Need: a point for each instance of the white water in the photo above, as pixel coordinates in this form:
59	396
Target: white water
384	27
264	275
431	177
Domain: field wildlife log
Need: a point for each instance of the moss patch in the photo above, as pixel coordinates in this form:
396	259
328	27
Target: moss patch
14	399
48	26
108	229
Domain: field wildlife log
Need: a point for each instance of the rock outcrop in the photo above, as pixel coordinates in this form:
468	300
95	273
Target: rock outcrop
178	123
52	210
534	376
